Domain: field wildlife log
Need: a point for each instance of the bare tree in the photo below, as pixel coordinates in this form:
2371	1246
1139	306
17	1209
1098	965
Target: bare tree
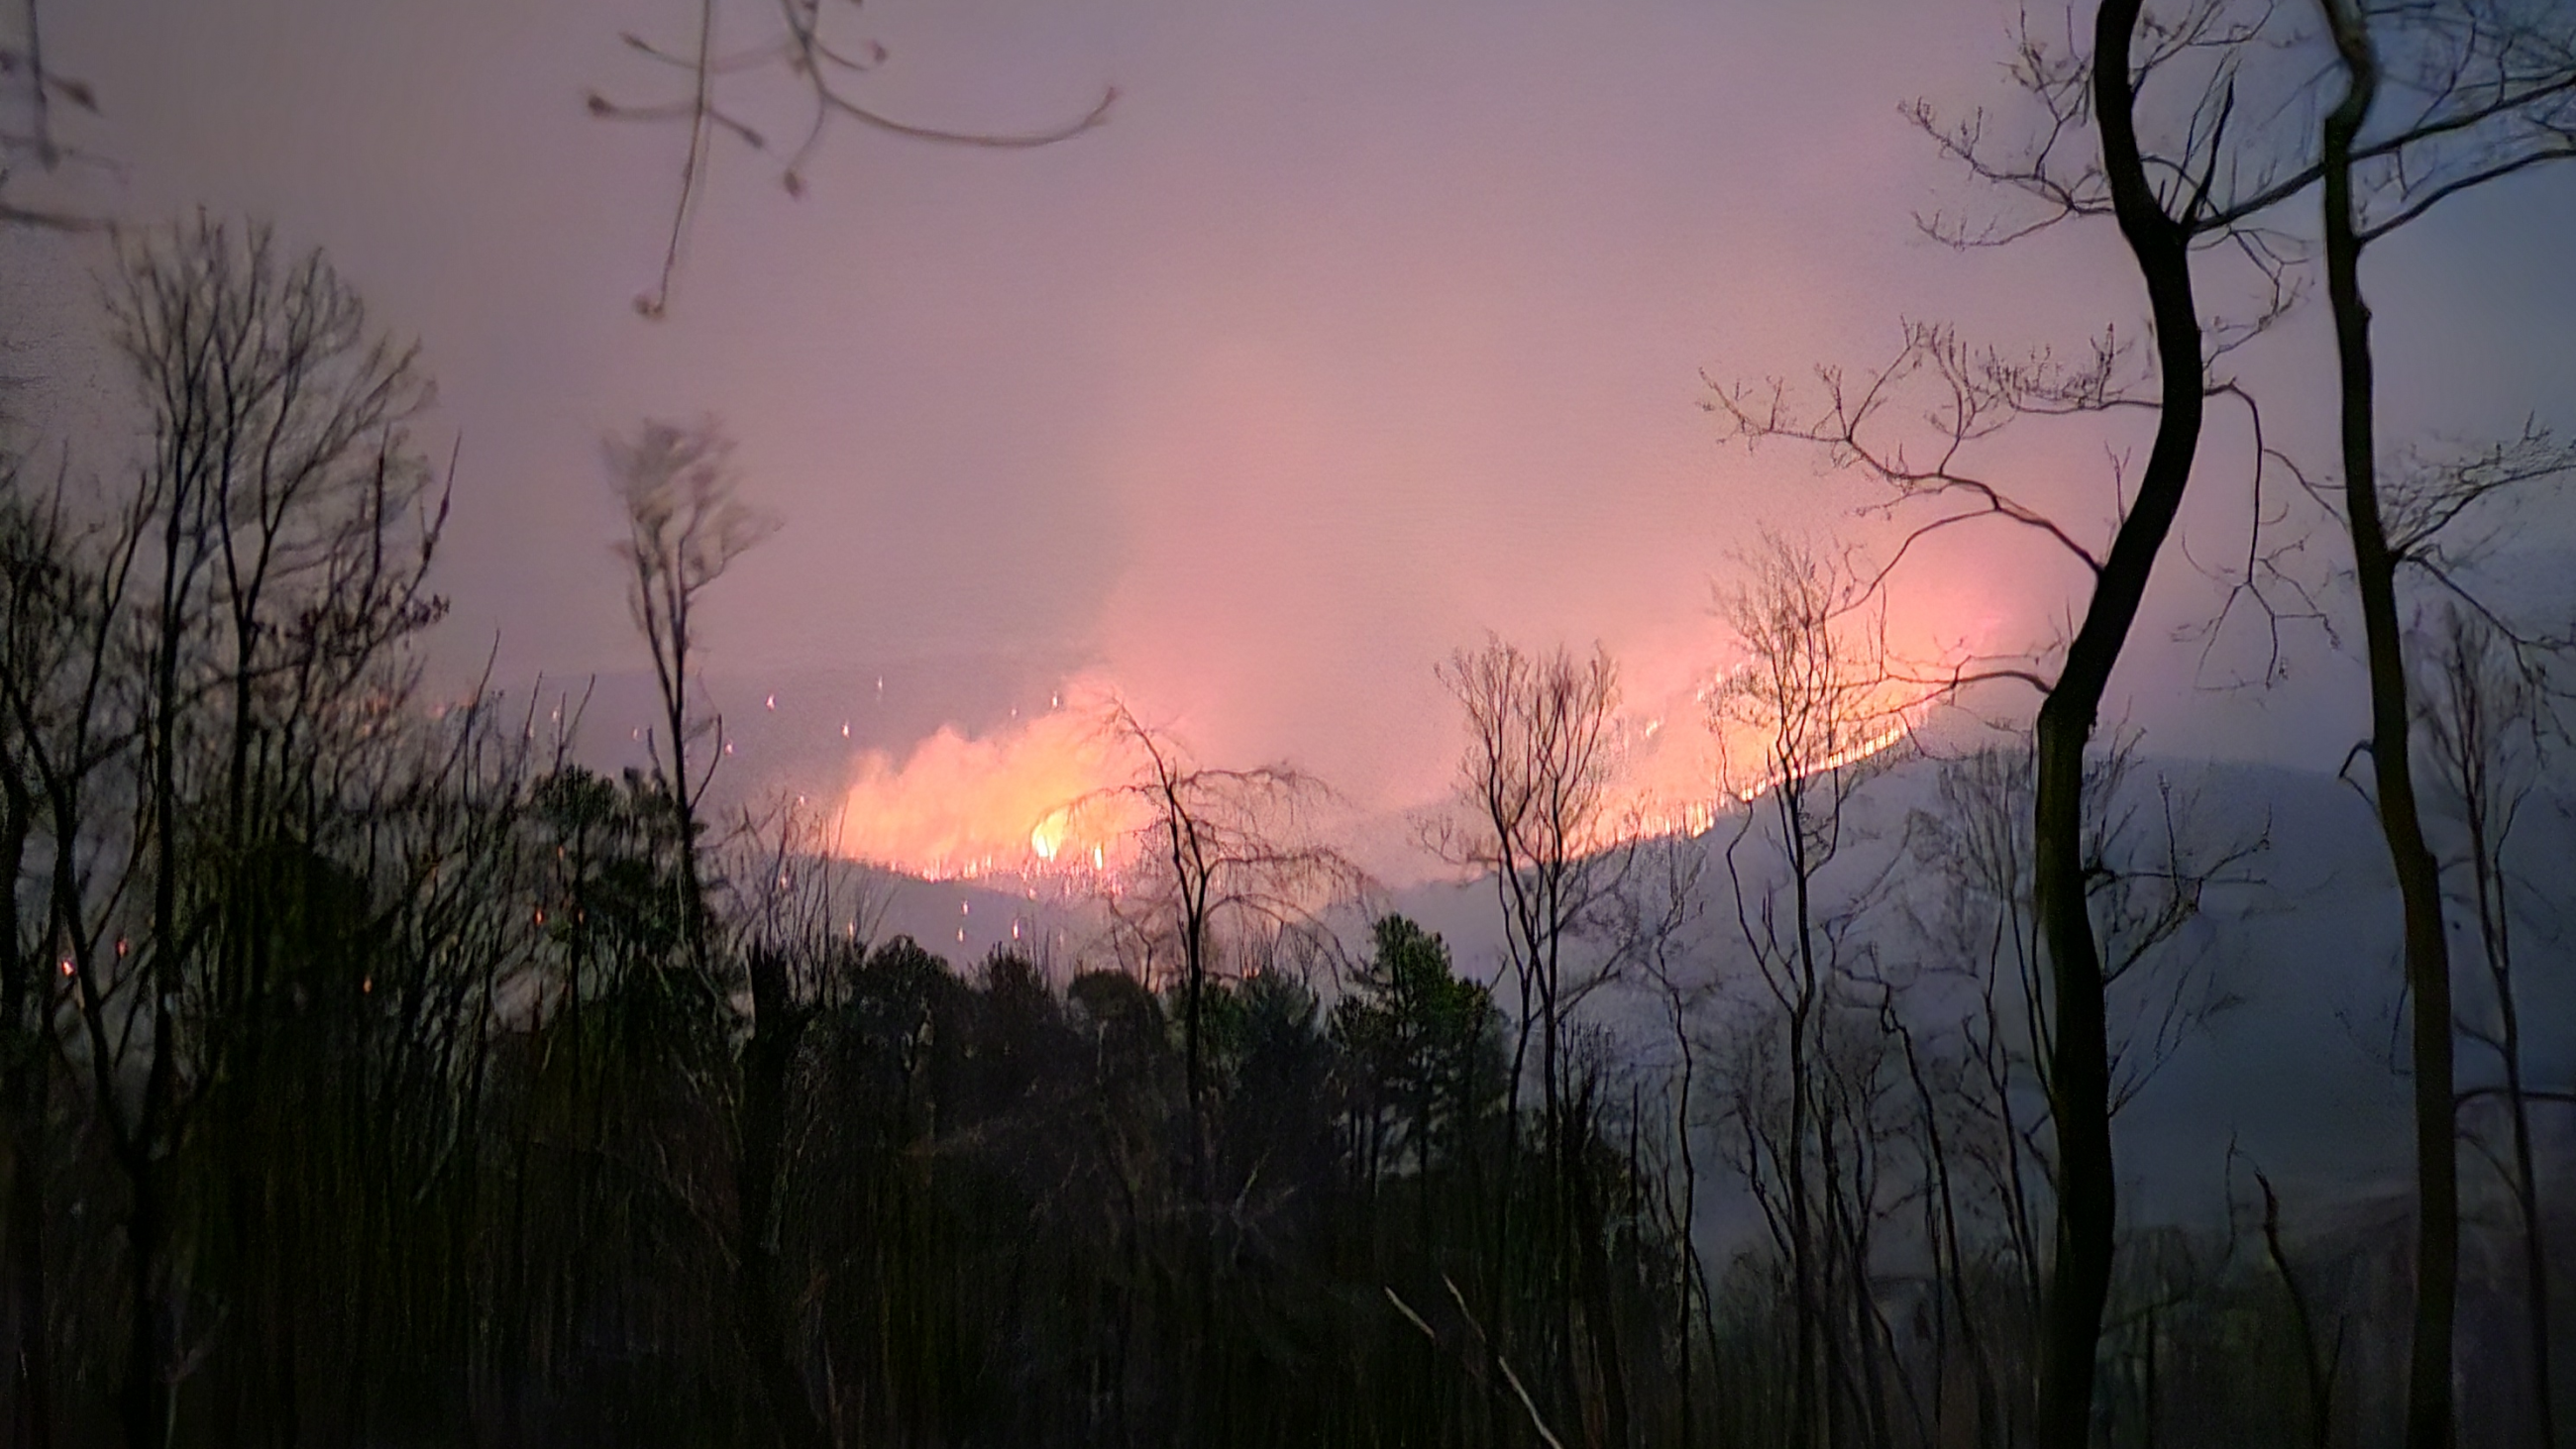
1660	907
1220	860
31	87
2213	187
2484	733
2501	96
786	892
812	48
2157	870
1536	818
1214	849
1975	840
787	895
1535	784
2429	1418
51	650
2154	864
227	649
1812	693
2160	208
685	527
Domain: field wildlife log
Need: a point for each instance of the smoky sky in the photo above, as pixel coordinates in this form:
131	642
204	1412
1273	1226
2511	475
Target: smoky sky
1359	330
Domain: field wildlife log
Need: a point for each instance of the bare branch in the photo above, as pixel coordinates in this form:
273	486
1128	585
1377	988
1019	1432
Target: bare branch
825	71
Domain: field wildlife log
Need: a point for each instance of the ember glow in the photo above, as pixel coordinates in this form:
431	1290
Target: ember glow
1025	800
1039	798
1851	754
1676	779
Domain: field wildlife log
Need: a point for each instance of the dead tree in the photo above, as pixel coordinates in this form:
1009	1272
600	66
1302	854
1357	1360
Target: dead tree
2502	93
813	50
52	648
685	527
1213	849
1535	818
1810	694
2486	740
232	630
2212	188
31	86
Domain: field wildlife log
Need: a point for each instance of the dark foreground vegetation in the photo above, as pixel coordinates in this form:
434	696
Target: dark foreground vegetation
376	1075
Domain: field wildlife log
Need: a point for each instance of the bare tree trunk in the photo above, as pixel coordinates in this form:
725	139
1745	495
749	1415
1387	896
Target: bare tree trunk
2526	1198
2468	736
2419	883
144	1394
2320	1377
2535	1261
22	1085
775	1024
34	1376
1691	1285
22	1046
2080	1070
1804	1270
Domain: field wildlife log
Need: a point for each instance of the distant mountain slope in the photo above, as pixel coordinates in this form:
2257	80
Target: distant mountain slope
2300	1074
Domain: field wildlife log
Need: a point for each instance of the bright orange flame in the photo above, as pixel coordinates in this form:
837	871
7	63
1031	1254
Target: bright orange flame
964	807
1850	755
1047	836
1669	773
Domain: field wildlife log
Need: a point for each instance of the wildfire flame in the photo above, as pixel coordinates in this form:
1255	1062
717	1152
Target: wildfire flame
1047	836
1678	781
960	806
1038	798
1850	755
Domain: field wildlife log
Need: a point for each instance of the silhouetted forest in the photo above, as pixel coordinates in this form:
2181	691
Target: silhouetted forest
379	1070
377	1073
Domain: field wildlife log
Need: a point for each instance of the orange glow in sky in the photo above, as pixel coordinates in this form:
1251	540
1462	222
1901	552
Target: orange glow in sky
1024	799
1040	797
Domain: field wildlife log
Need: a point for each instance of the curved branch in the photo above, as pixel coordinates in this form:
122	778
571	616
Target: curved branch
804	53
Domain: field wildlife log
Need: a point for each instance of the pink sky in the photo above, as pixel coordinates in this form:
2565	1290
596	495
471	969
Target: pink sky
1360	330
